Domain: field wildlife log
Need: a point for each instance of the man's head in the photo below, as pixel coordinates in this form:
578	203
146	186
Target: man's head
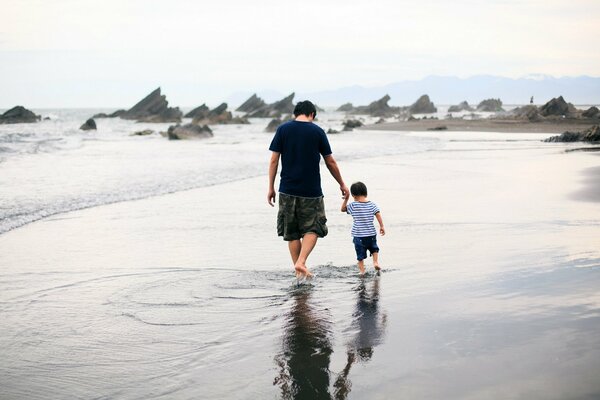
305	108
358	189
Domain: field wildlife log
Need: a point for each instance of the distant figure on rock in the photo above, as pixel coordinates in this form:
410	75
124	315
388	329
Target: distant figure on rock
301	217
531	100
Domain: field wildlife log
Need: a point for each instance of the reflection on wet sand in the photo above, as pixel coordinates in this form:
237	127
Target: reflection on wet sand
304	361
370	326
307	344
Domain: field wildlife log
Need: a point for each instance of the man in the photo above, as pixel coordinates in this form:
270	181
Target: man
301	218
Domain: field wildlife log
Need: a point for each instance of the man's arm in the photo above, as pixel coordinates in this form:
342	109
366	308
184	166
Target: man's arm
273	165
335	172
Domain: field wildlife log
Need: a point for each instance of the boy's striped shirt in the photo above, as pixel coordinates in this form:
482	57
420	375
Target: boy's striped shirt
363	214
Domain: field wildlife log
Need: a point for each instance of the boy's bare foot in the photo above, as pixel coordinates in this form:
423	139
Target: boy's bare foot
376	266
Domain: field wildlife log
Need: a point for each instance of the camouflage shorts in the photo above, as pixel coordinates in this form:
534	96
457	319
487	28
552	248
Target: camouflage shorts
300	215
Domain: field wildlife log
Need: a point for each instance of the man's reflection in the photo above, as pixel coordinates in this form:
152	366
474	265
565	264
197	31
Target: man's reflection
370	326
304	361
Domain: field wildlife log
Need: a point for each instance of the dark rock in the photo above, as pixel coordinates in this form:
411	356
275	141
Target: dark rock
115	114
557	107
153	108
252	104
275	110
273	125
592	112
412	118
438	128
422	106
19	115
378	108
90	124
332	131
145	132
351	124
528	112
380	121
218	115
347	107
490	105
198	111
189	131
589	135
47	118
463	106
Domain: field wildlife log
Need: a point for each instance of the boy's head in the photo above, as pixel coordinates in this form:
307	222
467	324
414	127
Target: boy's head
305	108
358	189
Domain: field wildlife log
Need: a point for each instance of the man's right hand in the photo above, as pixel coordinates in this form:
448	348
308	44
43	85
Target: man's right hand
345	192
271	197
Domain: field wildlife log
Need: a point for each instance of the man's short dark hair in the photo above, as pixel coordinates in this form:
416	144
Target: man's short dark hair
358	189
305	108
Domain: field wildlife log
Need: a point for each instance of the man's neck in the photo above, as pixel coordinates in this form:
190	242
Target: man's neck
303	118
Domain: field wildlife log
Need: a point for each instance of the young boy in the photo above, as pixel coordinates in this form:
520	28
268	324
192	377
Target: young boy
363	229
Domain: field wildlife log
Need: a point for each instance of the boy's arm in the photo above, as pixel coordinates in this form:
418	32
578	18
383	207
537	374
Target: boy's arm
345	204
380	220
273	165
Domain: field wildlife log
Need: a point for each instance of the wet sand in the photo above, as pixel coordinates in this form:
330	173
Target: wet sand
485	125
489	289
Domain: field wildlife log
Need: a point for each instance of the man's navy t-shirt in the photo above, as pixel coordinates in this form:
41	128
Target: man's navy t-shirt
301	145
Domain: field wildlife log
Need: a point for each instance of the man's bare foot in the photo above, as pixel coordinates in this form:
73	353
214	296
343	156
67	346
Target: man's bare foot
302	272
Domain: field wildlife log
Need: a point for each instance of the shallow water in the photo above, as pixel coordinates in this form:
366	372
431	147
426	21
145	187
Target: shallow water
489	290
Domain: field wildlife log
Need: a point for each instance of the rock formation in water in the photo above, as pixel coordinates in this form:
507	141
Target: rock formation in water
592	112
378	108
463	106
19	115
189	131
351	124
275	110
558	107
252	104
197	112
115	114
490	105
422	106
346	107
273	125
153	108
218	115
145	132
528	112
589	135
89	125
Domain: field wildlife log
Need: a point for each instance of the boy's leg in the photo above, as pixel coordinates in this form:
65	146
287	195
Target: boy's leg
376	261
361	266
308	244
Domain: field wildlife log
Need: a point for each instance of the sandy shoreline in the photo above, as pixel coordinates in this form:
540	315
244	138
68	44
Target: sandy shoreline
484	125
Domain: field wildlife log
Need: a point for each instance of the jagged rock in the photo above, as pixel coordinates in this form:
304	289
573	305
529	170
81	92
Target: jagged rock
351	124
528	112
378	108
273	125
438	128
380	121
592	112
145	132
557	107
275	110
589	135
347	107
115	114
422	106
198	111
490	105
189	131
19	115
90	124
332	131
252	104
218	115
153	108
463	106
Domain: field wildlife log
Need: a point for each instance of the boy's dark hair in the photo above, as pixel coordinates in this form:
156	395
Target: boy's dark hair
358	189
305	108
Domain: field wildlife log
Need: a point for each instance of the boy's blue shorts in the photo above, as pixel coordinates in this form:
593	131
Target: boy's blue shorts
362	244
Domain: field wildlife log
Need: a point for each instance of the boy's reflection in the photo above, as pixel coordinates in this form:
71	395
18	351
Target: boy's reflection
370	327
304	361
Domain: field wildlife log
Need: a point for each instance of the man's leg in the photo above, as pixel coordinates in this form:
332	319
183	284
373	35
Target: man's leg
308	244
295	246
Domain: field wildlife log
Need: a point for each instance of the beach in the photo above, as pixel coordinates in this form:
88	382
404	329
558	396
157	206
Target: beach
491	265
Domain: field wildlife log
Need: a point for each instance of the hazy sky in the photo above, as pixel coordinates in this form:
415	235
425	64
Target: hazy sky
112	52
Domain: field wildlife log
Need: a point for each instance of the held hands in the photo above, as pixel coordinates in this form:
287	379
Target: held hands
271	197
345	192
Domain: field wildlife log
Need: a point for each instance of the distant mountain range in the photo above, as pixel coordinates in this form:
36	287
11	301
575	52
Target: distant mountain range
453	90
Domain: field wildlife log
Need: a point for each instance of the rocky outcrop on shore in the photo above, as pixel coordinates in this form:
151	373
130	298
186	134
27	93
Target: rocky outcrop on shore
490	105
351	124
115	114
463	106
273	125
377	108
346	107
275	110
89	125
153	108
558	107
218	115
19	115
252	104
592	112
188	131
145	132
528	112
197	112
589	135
423	105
